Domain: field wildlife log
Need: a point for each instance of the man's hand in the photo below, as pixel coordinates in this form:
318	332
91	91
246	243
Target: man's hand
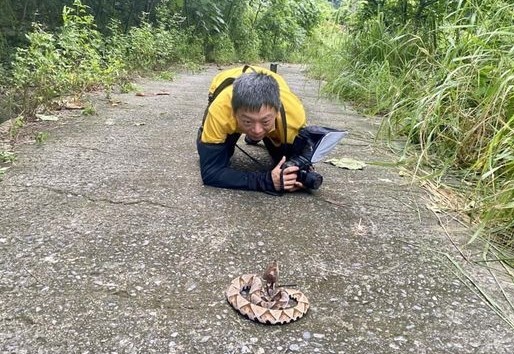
289	177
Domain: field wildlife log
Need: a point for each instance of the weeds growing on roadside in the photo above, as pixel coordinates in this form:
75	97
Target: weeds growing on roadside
68	62
77	58
7	156
450	92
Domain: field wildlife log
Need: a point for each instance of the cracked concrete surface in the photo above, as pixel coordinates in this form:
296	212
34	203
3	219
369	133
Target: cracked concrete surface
109	243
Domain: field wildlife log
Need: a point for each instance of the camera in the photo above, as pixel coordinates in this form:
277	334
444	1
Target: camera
310	146
305	175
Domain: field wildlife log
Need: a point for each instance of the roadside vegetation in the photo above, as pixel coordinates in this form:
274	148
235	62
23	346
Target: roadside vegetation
439	72
68	47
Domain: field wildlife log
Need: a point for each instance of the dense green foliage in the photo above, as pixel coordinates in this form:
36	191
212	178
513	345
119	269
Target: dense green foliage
77	57
226	28
68	47
442	74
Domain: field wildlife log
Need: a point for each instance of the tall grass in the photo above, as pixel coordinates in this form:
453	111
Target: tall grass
452	98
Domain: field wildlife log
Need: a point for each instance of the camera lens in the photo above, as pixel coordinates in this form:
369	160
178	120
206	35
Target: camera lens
310	180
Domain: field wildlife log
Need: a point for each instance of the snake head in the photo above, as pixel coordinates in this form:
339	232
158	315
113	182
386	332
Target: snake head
270	275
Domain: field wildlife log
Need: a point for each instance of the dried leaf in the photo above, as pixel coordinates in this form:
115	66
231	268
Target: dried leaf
45	117
347	163
160	93
386	180
73	105
114	103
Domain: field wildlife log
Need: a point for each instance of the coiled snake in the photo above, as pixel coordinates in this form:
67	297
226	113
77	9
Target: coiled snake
264	302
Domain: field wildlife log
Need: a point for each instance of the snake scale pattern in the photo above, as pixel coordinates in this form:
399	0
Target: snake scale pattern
261	301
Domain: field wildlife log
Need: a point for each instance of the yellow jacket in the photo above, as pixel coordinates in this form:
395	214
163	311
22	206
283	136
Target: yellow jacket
221	121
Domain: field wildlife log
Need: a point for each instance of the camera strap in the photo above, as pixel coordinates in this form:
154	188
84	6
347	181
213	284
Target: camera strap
279	193
251	157
284	128
284	145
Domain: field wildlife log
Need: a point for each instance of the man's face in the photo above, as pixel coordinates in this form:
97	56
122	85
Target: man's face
256	124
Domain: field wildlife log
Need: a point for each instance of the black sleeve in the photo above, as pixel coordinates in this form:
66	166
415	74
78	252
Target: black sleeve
215	170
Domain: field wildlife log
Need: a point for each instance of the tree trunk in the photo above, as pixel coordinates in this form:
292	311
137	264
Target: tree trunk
129	16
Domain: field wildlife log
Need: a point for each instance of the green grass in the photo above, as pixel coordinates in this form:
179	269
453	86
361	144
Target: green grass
7	157
453	102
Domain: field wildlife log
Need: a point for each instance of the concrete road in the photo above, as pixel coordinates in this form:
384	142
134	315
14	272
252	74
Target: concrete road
109	242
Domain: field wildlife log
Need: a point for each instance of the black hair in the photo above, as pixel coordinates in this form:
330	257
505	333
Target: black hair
254	90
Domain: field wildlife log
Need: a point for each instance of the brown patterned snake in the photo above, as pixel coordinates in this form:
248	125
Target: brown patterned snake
263	302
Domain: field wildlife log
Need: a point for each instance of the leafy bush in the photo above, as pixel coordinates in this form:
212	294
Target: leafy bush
37	70
220	49
141	50
67	62
77	58
285	25
181	44
279	32
155	46
245	38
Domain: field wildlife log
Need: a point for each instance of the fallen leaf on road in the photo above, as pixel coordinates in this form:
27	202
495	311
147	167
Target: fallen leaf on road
73	105
386	180
114	103
347	163
160	93
45	117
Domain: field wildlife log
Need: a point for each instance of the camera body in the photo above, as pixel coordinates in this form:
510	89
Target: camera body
309	147
305	174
